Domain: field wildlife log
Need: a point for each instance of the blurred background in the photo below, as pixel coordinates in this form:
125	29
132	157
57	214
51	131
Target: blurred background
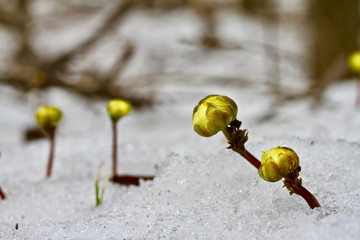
120	48
134	49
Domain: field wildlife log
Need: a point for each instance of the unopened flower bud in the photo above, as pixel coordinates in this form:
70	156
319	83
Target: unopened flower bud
278	163
213	114
48	116
354	62
118	108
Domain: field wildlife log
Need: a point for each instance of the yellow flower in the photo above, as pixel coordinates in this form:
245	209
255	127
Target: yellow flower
48	116
354	62
278	163
213	114
118	108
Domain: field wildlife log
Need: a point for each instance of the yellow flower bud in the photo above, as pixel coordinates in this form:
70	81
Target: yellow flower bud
118	108
278	163
213	114
48	116
354	62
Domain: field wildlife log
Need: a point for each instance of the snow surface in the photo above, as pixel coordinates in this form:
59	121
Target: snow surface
201	190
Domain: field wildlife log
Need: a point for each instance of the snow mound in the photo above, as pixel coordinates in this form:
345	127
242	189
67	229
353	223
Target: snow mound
208	196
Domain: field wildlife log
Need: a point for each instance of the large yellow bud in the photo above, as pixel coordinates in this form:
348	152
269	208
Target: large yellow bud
213	114
118	108
354	62
278	163
48	116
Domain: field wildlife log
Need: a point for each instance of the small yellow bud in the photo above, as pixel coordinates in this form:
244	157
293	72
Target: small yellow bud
48	116
213	114
118	108
354	62
278	163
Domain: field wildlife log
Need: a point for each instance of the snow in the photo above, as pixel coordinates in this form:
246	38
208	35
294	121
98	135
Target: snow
201	190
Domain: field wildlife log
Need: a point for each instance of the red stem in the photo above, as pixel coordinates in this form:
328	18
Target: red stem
295	185
248	156
114	148
2	194
51	134
309	198
292	183
242	151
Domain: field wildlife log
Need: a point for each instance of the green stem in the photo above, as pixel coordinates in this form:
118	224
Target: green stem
97	180
97	193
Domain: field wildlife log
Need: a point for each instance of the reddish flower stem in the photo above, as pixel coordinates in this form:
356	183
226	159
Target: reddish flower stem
51	135
123	179
248	156
237	138
299	189
2	194
114	149
240	148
